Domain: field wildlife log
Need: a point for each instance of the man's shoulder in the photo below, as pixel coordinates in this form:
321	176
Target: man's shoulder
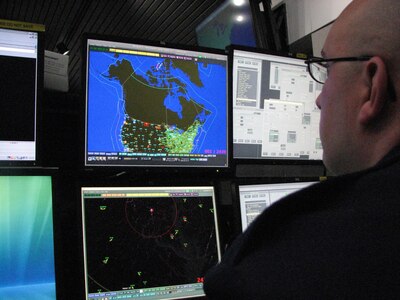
383	177
372	191
343	230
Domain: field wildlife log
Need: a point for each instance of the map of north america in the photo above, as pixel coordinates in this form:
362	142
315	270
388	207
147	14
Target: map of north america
156	104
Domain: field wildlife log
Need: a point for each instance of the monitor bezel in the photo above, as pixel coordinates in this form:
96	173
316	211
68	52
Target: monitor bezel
264	161
213	170
236	208
39	30
58	238
107	183
250	6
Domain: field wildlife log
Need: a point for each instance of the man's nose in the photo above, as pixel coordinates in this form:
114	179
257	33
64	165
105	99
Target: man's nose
317	101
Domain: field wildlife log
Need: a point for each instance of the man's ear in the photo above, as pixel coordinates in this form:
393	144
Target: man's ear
376	77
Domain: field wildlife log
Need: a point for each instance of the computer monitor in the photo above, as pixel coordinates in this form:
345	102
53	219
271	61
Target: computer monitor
27	259
148	242
231	23
21	77
154	105
275	116
255	198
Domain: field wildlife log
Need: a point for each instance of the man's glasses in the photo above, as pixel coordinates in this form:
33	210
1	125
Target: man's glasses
318	67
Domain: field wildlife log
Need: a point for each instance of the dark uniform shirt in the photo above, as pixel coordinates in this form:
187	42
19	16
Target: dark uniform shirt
338	239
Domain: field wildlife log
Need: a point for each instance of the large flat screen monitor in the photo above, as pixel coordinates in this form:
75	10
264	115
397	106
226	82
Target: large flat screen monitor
148	242
21	78
231	23
274	112
255	198
151	105
27	265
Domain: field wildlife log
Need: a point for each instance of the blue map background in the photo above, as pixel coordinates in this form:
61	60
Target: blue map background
106	104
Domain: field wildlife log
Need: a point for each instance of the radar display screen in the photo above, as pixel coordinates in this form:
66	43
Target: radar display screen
152	243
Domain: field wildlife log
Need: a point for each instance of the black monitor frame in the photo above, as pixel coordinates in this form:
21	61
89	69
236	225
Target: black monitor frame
39	85
60	265
265	26
271	161
213	22
90	182
236	209
145	168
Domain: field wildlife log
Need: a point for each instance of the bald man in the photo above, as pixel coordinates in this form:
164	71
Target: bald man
339	239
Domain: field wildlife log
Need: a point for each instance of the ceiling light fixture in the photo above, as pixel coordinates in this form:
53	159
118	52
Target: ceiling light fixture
238	2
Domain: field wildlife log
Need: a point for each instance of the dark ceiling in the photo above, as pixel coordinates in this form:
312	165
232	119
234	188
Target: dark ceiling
172	21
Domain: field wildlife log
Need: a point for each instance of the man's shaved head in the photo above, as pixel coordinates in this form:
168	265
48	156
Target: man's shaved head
371	27
360	117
